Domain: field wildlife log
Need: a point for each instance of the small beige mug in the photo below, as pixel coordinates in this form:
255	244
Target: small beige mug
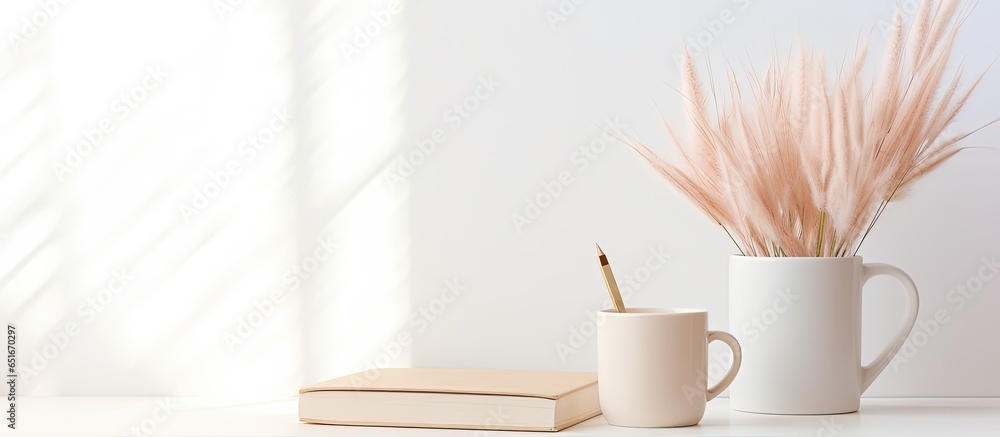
652	365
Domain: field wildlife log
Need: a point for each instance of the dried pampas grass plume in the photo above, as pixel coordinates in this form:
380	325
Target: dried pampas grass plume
799	166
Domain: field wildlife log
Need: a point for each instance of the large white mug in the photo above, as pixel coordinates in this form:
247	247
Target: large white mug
652	365
799	323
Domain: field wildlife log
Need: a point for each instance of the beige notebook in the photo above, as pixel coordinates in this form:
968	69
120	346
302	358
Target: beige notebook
454	398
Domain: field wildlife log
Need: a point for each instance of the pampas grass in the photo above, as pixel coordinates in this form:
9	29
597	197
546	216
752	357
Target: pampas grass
802	161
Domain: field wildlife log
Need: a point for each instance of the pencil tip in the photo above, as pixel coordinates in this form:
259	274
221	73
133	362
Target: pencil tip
599	251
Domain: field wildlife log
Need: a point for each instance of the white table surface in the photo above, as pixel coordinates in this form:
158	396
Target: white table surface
93	416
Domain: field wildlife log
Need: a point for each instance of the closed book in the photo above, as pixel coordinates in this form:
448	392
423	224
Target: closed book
454	398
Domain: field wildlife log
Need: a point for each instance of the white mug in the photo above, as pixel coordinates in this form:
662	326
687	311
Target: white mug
652	365
799	323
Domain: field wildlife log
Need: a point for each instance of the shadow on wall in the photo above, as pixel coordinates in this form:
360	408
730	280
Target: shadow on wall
185	214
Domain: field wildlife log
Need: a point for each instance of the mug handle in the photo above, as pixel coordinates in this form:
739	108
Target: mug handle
871	371
734	345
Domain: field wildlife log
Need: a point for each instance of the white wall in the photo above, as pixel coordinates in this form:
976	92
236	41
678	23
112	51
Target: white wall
408	239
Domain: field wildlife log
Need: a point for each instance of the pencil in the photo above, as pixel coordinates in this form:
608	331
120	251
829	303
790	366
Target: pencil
609	280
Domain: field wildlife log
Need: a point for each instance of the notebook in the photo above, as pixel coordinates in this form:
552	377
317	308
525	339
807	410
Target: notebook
454	398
